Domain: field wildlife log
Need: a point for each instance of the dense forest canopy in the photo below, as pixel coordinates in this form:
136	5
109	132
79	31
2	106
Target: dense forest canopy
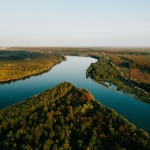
67	118
103	69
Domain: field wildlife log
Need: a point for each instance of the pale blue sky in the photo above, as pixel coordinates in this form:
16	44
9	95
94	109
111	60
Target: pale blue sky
75	23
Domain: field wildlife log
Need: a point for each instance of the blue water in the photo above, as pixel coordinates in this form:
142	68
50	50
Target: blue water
74	70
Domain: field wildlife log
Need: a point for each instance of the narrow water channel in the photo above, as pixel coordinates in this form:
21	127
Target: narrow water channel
74	70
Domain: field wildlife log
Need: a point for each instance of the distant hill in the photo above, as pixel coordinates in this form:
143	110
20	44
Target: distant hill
67	118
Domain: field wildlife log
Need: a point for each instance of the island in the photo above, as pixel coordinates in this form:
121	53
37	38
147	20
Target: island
67	118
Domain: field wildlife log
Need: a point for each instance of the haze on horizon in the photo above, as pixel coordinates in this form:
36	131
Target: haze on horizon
94	23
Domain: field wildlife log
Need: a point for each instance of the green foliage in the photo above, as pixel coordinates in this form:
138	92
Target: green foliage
103	69
67	118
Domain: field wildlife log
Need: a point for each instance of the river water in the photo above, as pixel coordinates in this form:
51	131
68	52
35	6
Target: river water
74	70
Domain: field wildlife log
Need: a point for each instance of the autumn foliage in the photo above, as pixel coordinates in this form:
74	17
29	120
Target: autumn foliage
67	118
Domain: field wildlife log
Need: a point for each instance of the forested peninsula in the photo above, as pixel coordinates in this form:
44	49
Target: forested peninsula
119	71
67	118
19	64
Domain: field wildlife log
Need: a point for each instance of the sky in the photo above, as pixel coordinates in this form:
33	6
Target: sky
75	23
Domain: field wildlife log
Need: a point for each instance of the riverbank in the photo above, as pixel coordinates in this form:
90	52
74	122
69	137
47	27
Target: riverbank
27	65
27	76
105	71
125	87
135	111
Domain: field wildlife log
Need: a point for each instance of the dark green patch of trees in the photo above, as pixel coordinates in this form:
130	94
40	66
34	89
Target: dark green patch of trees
65	118
103	69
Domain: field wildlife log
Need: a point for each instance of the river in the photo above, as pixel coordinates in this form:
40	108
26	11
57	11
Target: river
74	70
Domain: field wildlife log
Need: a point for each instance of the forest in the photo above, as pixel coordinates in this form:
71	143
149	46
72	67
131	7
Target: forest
18	64
67	118
130	73
103	69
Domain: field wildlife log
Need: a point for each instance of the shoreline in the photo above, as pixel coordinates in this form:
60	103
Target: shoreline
26	76
109	87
